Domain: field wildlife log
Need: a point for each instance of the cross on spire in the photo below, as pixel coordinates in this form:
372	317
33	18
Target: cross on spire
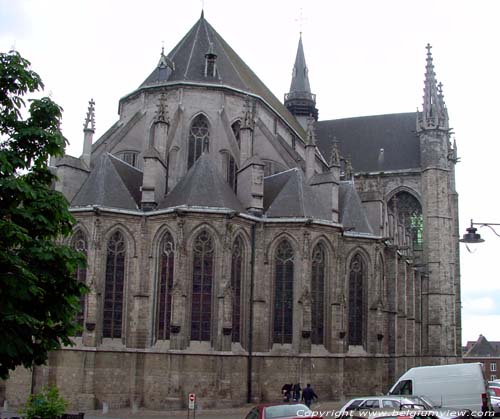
301	20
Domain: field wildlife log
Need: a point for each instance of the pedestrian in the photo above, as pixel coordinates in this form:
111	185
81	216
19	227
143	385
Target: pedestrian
296	392
308	395
286	392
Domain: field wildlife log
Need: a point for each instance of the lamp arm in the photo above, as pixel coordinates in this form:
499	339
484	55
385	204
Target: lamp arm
491	228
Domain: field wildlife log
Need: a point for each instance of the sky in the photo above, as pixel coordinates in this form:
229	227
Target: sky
364	57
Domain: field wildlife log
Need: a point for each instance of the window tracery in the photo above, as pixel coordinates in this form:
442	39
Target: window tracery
114	287
165	284
199	139
236	277
283	294
318	294
79	243
201	302
406	209
356	301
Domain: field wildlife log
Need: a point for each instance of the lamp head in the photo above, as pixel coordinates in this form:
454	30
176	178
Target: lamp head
471	236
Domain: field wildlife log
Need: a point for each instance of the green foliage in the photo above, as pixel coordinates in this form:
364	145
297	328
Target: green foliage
39	295
48	404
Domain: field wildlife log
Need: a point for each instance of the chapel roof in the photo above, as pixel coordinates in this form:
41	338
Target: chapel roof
361	139
202	186
286	194
351	211
186	64
112	183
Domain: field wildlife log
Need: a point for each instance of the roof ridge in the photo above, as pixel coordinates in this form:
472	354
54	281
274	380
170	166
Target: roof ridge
192	49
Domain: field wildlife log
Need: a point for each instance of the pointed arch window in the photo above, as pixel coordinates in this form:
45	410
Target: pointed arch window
79	243
283	293
165	283
114	287
318	294
356	301
236	275
203	272
199	139
406	209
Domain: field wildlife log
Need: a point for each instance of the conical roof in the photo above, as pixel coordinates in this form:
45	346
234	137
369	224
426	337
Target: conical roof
112	183
186	64
352	213
300	78
203	186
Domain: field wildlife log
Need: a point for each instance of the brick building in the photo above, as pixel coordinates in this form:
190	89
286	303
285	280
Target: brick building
486	352
235	242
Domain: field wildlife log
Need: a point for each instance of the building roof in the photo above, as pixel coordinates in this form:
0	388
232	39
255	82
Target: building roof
186	63
287	194
300	78
361	139
482	348
112	183
351	211
202	186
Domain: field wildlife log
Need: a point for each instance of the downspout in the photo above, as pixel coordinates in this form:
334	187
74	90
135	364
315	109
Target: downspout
250	320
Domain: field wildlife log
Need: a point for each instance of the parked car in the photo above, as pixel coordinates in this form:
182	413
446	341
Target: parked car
495	400
391	402
494	390
394	414
281	411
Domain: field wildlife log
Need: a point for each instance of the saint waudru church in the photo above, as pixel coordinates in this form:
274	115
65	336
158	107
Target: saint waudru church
236	242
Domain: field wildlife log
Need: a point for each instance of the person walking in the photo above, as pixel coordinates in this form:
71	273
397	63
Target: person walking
308	395
286	391
296	392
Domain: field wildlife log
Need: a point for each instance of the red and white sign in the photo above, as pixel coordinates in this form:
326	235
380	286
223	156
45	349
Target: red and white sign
192	399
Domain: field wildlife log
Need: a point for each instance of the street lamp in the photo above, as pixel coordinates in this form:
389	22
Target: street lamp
472	237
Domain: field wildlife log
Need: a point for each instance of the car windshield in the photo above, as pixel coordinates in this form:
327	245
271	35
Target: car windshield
286	410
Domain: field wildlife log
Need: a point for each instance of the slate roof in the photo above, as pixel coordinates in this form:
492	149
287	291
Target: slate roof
286	194
300	78
202	186
351	211
71	161
186	63
112	183
361	138
483	348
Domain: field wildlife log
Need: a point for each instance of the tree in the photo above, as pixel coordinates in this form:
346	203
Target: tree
39	294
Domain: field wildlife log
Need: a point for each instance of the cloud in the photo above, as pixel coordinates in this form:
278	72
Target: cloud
474	325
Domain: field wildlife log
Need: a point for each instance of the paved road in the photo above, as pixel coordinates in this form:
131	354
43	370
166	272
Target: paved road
222	413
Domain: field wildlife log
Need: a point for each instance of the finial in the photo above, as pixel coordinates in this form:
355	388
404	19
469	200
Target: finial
301	20
248	121
311	138
334	154
90	118
162	47
162	110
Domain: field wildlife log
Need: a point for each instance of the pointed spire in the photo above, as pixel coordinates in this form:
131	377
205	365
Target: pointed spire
165	62
89	124
202	13
434	113
300	101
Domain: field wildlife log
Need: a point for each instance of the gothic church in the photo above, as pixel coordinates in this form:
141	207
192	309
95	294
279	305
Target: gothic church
235	242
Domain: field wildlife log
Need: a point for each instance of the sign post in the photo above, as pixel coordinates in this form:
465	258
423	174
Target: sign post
192	404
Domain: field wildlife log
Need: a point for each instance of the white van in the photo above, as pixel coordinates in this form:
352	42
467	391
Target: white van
455	386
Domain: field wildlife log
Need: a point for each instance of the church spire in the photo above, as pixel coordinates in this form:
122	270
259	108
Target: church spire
300	101
434	113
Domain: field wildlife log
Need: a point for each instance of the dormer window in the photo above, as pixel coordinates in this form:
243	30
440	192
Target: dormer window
211	62
129	157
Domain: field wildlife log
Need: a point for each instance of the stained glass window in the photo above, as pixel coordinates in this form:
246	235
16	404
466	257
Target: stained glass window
199	139
236	273
356	301
232	169
79	243
318	294
165	283
283	294
201	305
114	286
408	212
